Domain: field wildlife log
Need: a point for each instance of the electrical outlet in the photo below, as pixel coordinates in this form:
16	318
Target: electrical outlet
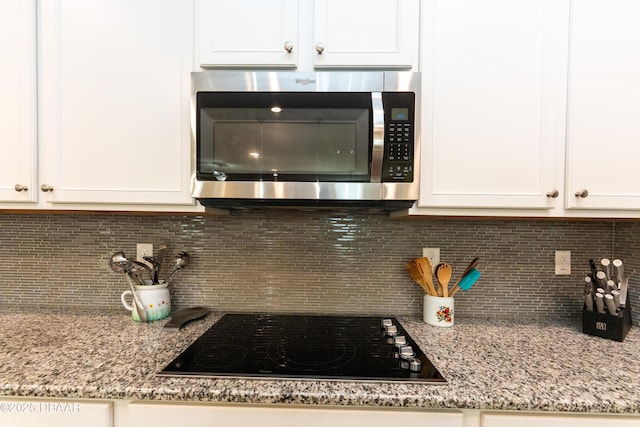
142	250
563	262
433	254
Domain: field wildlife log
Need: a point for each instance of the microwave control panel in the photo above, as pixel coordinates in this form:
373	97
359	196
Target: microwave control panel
399	139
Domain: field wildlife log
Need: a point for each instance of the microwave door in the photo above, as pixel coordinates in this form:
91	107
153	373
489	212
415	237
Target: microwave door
290	137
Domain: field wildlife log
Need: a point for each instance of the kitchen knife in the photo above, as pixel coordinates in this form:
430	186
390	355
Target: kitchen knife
600	302
618	269
588	293
588	301
611	306
601	278
624	285
589	286
616	298
606	267
594	270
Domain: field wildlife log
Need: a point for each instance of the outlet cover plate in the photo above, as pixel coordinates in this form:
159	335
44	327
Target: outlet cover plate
142	250
433	254
563	263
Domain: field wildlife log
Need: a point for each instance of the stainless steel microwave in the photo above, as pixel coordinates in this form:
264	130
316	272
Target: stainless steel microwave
305	139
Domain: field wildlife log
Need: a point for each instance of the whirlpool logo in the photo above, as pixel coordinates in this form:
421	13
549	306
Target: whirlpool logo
304	82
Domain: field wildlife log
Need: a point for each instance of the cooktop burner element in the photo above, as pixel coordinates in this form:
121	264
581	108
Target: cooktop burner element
305	347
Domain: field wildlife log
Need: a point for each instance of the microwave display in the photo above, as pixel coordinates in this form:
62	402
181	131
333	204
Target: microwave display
400	114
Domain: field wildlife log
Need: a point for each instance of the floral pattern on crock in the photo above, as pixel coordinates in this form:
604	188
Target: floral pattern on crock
444	314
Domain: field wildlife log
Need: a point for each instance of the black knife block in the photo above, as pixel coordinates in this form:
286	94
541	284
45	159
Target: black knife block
606	325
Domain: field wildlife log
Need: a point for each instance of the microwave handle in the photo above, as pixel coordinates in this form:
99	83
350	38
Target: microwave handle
377	151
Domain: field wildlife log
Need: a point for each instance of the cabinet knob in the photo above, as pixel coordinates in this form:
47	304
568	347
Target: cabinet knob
46	188
582	194
319	48
553	194
288	46
20	188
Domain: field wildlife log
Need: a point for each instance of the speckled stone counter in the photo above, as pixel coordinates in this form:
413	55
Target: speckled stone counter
488	365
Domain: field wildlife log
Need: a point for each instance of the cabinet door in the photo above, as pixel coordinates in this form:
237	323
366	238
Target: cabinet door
604	101
248	33
366	33
170	415
114	94
494	84
55	413
556	420
18	142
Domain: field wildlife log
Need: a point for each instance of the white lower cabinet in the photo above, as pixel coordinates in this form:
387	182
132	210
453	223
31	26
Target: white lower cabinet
42	412
556	420
55	413
194	415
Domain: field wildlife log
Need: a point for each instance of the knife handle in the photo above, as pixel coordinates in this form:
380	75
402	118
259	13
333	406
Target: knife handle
624	285
618	268
611	306
589	286
588	302
616	298
606	267
594	270
601	277
600	302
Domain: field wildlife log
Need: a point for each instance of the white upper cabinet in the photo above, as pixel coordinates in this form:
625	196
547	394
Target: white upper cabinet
530	108
248	33
114	103
18	131
304	35
494	85
603	138
366	33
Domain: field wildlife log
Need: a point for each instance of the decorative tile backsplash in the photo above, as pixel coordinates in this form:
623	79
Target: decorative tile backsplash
313	262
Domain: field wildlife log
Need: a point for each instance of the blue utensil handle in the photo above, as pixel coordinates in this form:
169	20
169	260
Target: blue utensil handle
468	280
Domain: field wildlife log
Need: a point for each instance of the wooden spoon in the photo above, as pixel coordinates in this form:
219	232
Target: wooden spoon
443	274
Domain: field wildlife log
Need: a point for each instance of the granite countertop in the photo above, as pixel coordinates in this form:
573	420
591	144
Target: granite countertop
548	366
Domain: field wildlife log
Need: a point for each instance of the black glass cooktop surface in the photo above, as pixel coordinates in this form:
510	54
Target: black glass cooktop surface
304	347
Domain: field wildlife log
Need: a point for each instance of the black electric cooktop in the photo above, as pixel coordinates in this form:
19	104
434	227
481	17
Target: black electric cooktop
305	347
